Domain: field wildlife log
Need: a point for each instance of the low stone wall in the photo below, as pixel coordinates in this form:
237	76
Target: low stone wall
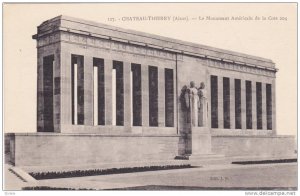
58	149
51	149
267	146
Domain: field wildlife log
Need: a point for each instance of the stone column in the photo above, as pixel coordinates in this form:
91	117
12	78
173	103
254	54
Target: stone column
108	90
66	92
220	103
145	95
232	103
40	94
243	104
274	107
175	99
254	116
80	91
264	106
161	97
56	92
127	96
208	100
88	90
48	89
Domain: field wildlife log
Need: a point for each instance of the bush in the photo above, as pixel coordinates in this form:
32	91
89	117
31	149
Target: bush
95	172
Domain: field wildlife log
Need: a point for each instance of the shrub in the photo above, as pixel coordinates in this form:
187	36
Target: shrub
94	172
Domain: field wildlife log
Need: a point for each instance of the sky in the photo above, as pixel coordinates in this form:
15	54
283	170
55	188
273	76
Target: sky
274	38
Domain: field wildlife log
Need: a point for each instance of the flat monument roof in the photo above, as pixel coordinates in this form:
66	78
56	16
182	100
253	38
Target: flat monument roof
80	26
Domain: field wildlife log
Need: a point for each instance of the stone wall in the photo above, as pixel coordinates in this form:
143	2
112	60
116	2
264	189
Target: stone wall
264	146
51	149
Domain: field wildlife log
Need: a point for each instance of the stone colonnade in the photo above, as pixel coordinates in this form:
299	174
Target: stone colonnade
242	104
128	94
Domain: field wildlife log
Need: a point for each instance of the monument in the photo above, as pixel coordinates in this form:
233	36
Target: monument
113	95
195	110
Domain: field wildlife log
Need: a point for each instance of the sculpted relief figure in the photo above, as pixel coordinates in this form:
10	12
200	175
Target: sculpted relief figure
194	104
194	101
202	120
185	103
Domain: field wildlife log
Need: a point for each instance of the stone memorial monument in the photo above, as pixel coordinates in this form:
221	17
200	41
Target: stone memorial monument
196	114
111	95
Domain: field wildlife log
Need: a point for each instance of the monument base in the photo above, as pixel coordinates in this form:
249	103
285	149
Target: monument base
203	157
201	141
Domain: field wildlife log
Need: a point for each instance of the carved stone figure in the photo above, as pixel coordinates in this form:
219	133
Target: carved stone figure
194	101
185	103
202	120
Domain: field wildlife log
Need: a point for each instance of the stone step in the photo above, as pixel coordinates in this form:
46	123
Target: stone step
260	158
12	182
205	156
21	174
215	160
